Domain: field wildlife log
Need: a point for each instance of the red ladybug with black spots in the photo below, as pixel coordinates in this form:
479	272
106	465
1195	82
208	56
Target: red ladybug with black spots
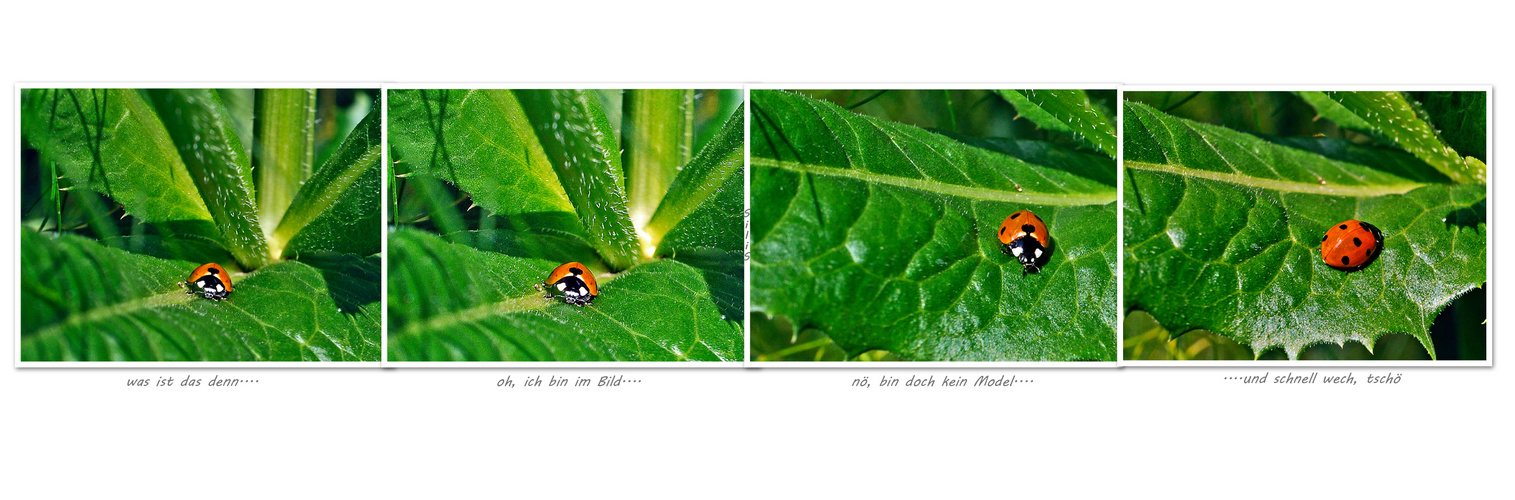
1351	245
209	280
1024	236
574	281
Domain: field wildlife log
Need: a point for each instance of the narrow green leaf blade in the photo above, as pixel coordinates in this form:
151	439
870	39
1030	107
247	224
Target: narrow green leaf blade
582	148
884	236
338	207
1389	116
131	158
709	190
657	311
209	147
127	307
1066	112
1223	232
286	147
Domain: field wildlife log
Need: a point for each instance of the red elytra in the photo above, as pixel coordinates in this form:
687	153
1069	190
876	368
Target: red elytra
1351	245
575	282
209	280
1024	236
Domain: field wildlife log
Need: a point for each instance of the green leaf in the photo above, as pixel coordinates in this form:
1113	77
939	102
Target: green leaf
489	310
583	148
286	129
1066	112
133	160
84	301
657	131
203	135
481	141
884	236
1223	231
338	207
1389	117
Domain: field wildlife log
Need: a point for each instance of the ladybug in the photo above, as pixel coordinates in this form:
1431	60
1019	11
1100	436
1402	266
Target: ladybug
209	280
1024	236
1351	245
575	281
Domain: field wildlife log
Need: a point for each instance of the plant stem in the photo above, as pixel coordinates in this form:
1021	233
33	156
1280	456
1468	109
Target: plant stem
285	148
654	138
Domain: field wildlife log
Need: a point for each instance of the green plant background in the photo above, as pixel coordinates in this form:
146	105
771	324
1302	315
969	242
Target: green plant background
875	216
492	189
1228	194
125	191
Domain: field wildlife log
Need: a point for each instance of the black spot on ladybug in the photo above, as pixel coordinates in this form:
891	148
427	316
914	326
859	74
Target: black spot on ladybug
1323	239
215	271
1028	228
1002	231
1345	261
1014	215
1357	241
1343	226
575	270
1370	252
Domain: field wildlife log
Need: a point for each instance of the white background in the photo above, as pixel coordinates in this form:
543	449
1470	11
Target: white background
435	433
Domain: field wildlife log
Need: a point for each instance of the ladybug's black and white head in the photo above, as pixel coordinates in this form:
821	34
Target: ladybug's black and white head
1028	251
574	290
211	286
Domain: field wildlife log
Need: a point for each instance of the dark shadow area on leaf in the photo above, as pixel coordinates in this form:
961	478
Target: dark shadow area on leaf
1469	217
435	120
970	112
530	235
1274	113
768	127
1093	166
191	240
1391	160
351	281
724	274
